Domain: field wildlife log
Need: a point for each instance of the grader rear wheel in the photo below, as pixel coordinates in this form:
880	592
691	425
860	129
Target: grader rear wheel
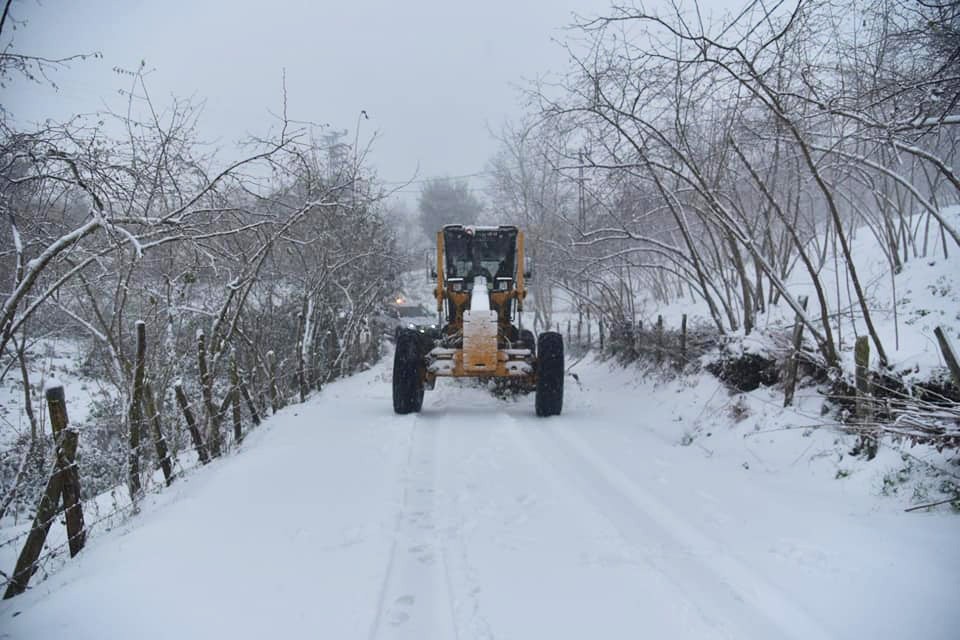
526	337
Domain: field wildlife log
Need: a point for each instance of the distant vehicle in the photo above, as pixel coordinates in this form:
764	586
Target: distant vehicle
402	314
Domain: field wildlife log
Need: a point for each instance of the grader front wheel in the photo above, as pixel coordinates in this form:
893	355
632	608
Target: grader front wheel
549	399
407	383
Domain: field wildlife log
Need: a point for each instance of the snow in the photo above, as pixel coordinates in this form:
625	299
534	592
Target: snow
653	508
480	301
17	242
307	345
51	362
905	307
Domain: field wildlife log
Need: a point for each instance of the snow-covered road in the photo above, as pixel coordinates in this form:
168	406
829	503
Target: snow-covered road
475	519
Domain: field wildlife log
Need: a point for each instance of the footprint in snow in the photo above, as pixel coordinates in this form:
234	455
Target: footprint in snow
399	611
423	552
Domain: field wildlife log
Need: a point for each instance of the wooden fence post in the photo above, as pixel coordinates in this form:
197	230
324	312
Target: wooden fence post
64	482
136	414
206	388
251	406
949	355
793	362
272	366
66	463
601	335
569	334
638	339
235	394
659	337
195	434
683	342
159	442
301	376
868	442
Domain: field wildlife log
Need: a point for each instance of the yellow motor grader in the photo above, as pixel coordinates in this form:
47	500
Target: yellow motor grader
480	276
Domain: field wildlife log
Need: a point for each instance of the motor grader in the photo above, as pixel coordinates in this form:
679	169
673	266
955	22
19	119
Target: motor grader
480	288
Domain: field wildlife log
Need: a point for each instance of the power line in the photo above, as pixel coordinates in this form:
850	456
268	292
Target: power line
428	179
469	190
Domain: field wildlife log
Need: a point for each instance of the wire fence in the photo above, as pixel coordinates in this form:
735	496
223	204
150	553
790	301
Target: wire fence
115	506
922	413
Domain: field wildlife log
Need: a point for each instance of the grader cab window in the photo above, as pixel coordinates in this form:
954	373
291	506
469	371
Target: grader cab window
487	252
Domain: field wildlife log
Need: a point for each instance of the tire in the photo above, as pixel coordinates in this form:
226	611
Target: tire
407	383
549	399
526	337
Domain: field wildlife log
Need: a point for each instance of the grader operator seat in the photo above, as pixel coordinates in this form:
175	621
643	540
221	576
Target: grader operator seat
480	279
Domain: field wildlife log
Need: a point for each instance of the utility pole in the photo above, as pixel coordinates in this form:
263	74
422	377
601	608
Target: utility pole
335	153
582	211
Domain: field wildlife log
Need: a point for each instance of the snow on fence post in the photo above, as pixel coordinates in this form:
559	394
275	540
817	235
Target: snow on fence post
64	482
136	414
159	441
861	352
949	355
793	362
195	434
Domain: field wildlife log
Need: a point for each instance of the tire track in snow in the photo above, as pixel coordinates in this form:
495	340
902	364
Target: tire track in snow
460	572
391	557
415	598
729	594
557	475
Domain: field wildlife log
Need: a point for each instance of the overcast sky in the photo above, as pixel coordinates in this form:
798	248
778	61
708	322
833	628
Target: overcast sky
433	75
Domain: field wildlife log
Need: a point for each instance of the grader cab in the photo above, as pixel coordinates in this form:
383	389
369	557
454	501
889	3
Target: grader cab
480	275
